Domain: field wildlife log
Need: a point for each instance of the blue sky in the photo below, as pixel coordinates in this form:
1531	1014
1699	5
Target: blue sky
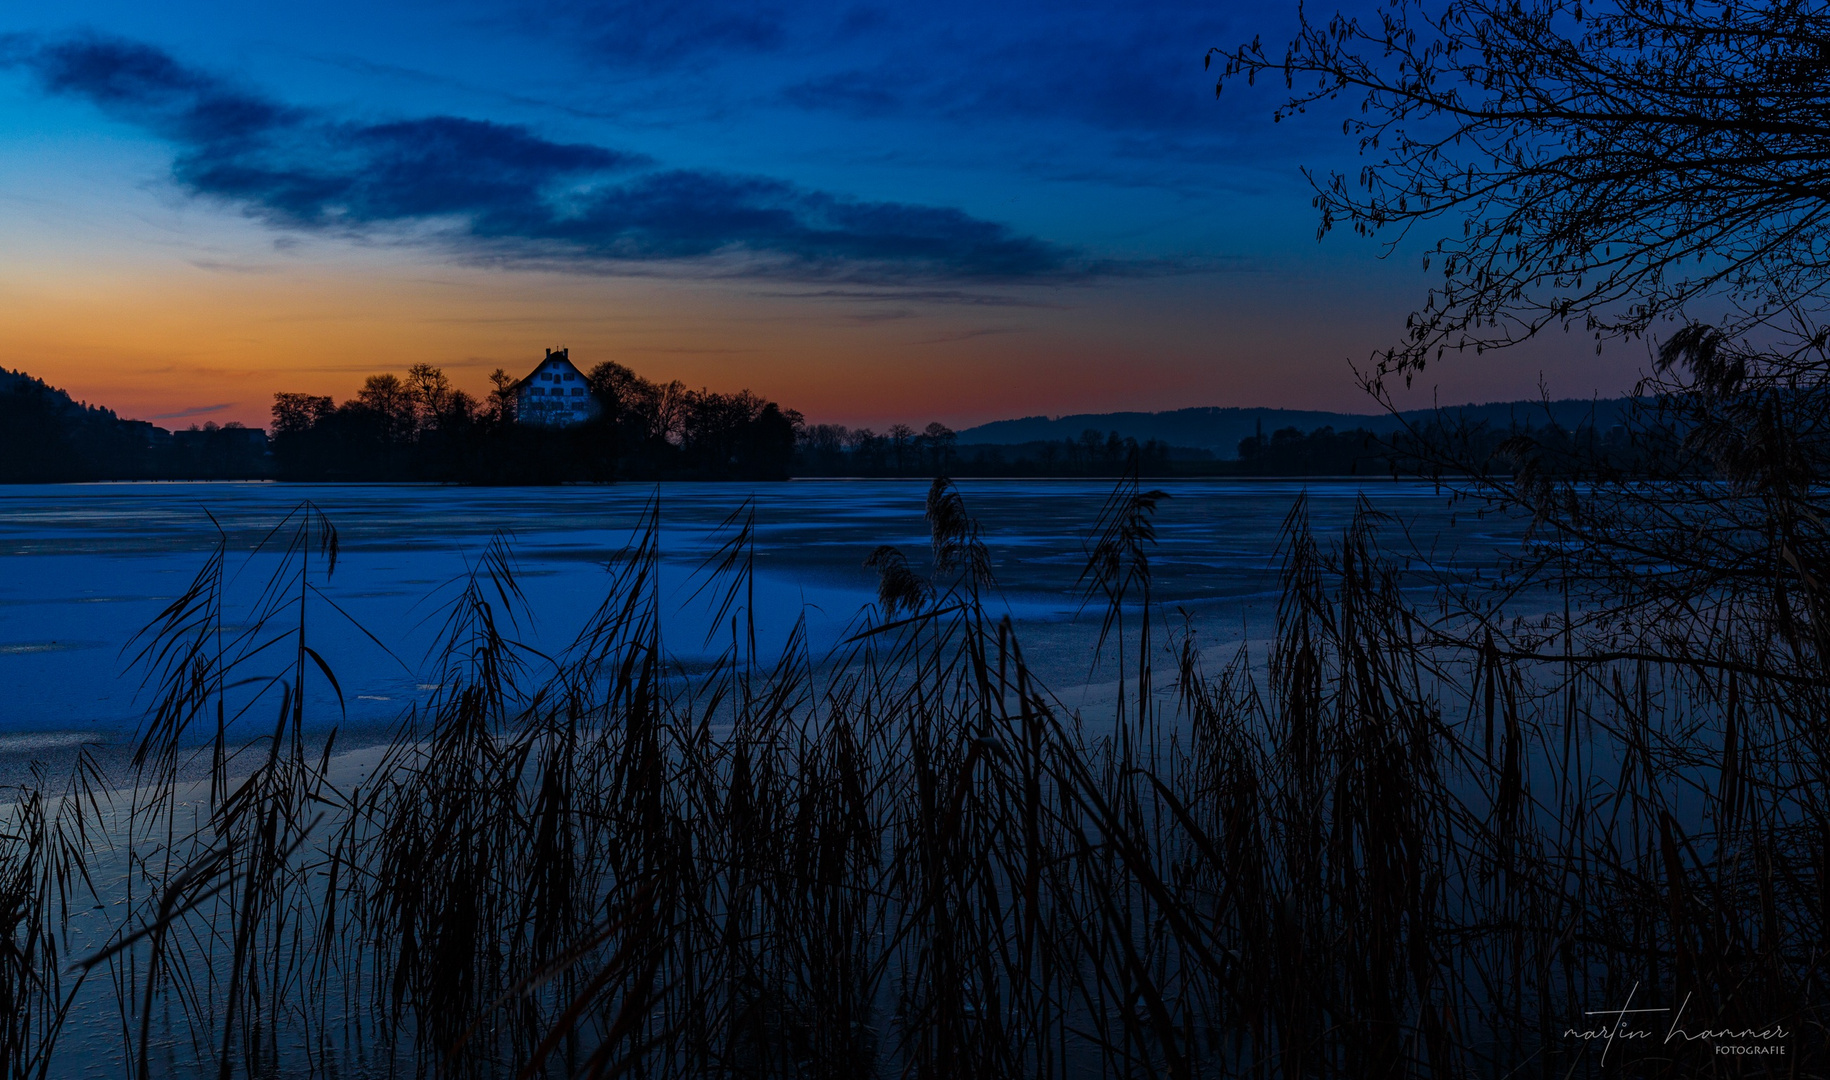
871	213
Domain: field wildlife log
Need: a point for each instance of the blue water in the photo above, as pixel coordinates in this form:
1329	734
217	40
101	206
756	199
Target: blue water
83	567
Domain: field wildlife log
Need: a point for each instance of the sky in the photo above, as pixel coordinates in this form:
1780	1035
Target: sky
871	213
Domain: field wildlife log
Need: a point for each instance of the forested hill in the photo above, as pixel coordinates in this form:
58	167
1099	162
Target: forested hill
1220	430
48	436
45	434
23	391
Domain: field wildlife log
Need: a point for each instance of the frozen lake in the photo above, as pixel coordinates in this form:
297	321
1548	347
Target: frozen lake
83	567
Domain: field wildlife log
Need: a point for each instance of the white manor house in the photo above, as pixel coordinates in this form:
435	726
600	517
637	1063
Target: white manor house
554	393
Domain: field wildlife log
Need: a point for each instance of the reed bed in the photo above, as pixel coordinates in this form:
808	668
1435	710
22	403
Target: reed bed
1390	847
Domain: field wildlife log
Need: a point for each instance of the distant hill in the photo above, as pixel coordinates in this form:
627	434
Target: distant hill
1220	429
48	436
45	434
47	399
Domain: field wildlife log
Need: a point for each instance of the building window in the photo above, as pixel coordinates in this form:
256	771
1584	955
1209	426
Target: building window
578	391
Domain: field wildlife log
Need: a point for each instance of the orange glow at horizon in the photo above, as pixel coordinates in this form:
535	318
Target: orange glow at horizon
180	345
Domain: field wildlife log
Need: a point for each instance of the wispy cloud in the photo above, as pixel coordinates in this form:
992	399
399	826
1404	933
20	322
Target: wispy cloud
1113	65
196	410
644	34
968	335
221	266
688	350
911	296
504	192
401	72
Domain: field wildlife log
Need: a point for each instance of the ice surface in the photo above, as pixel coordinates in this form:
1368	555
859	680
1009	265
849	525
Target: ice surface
83	567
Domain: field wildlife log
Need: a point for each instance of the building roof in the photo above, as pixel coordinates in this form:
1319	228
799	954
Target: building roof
562	355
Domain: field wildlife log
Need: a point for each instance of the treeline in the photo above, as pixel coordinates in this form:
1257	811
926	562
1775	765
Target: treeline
1444	447
1435	449
1324	452
421	428
1449	447
48	437
835	450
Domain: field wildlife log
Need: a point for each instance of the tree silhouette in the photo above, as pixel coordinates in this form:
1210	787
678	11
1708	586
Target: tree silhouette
501	404
901	437
390	402
431	394
941	440
421	428
1605	166
1634	169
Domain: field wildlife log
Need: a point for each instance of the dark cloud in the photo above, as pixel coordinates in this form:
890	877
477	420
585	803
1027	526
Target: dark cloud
140	83
503	191
360	174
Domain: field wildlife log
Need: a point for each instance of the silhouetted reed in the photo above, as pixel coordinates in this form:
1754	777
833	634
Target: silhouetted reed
1395	845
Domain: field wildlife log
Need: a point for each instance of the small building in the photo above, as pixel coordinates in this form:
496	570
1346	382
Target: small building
153	438
554	393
